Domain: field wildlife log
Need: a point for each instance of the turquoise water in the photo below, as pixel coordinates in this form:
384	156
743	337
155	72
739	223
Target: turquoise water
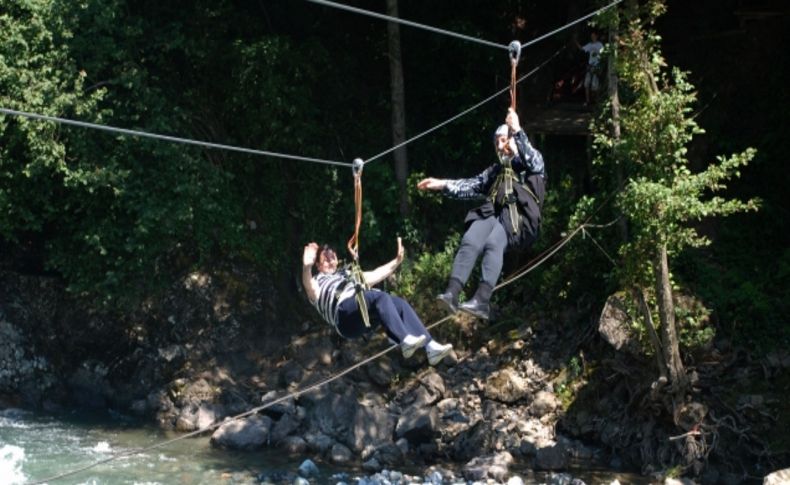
34	447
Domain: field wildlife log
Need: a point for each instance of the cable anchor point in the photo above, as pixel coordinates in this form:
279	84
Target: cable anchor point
514	51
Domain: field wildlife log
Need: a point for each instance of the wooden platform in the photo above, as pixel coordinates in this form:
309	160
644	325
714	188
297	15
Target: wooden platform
556	119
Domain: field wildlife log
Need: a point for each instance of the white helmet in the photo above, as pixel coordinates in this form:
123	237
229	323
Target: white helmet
500	131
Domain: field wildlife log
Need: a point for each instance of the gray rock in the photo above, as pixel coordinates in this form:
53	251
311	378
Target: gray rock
551	458
89	385
778	477
447	406
340	416
300	481
543	403
560	479
506	386
247	434
417	425
340	454
286	406
389	454
614	325
319	442
515	480
434	478
308	469
291	373
433	382
371	465
286	425
294	445
381	372
493	466
207	414
371	425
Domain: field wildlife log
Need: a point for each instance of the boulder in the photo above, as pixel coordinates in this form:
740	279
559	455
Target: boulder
493	466
506	386
246	434
308	469
319	442
778	477
294	445
543	403
614	325
417	425
286	425
551	458
340	454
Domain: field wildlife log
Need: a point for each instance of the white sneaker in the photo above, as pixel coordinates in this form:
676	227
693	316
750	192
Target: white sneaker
437	352
411	343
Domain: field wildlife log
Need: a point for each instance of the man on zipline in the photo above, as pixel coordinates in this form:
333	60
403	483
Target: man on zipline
513	189
333	293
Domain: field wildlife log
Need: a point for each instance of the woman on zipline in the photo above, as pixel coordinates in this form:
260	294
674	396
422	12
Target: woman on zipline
513	188
333	292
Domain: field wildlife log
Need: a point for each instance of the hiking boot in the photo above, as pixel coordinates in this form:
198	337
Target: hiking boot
411	343
448	301
476	308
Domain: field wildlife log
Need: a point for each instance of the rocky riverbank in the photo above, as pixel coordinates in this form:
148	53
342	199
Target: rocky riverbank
218	346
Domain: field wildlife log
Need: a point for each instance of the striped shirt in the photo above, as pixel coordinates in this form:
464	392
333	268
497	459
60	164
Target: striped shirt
332	290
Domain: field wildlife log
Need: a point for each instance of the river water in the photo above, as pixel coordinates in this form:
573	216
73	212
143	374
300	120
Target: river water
34	447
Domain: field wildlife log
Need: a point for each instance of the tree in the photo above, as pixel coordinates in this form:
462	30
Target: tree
37	74
398	106
661	196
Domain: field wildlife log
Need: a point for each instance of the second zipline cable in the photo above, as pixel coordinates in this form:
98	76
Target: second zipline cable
174	139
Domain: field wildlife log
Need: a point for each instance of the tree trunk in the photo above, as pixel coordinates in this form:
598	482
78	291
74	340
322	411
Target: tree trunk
613	86
666	311
639	295
398	106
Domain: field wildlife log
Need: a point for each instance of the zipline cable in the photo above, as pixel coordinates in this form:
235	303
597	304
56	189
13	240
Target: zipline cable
467	111
529	267
571	24
407	22
186	141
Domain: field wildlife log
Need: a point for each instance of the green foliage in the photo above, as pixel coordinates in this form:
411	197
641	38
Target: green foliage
121	217
421	277
661	195
36	74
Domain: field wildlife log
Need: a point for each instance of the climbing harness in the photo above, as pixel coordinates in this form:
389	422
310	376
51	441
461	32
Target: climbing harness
505	180
356	274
